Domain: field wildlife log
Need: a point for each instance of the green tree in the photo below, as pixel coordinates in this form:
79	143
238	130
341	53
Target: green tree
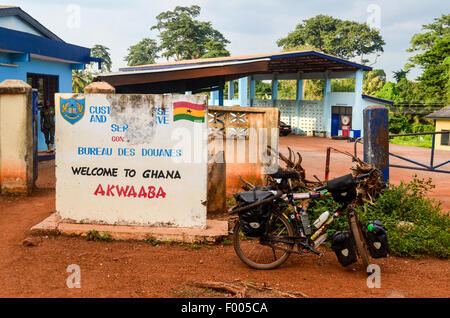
433	51
389	92
215	49
345	39
373	82
399	75
102	52
184	37
80	79
144	52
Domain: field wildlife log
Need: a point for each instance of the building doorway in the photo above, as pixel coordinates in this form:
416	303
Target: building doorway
47	86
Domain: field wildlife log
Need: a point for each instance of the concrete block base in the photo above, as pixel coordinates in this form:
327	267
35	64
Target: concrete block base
215	231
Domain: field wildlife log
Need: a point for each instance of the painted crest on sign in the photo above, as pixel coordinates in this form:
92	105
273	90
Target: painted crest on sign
72	109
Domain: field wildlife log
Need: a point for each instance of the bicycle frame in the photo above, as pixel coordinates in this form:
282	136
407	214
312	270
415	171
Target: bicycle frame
299	229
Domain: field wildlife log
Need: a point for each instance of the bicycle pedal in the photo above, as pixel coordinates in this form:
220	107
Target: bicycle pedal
308	247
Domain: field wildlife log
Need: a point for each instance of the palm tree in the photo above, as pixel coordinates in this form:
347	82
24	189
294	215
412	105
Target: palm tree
102	52
80	79
398	75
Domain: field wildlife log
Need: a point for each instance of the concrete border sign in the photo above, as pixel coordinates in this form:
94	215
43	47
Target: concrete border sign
131	159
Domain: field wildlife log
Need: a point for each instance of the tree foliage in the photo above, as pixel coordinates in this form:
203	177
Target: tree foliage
184	37
345	39
144	52
400	74
80	79
102	52
374	81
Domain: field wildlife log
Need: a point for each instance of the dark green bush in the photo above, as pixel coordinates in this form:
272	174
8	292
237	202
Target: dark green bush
425	229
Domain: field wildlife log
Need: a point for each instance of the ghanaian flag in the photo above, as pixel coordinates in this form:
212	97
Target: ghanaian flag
188	111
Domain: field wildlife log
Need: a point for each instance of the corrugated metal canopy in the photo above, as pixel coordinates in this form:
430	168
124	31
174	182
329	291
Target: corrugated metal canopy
208	74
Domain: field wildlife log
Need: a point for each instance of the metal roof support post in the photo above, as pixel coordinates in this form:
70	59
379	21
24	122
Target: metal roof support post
220	101
243	91
357	110
327	105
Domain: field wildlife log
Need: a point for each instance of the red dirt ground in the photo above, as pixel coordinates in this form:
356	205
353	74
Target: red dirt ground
138	269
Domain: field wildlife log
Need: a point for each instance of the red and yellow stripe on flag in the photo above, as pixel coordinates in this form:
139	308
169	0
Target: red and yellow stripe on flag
188	111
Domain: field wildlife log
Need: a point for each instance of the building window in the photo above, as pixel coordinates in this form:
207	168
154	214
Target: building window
445	140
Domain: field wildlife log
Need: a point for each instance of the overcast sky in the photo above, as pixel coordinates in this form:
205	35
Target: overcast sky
252	26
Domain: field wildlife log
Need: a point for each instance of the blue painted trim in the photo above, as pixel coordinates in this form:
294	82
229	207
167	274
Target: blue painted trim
380	100
27	43
19	57
274	87
77	67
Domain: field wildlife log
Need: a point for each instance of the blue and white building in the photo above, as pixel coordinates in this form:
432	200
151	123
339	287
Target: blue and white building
336	112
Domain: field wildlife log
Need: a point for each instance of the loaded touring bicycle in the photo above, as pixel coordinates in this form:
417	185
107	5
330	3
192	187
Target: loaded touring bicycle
266	232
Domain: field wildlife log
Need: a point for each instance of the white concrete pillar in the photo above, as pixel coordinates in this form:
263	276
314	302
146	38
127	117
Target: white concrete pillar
358	108
230	90
252	90
327	105
243	91
16	137
274	89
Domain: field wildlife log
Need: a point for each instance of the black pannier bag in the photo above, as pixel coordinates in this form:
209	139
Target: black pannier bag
344	248
343	189
254	222
376	239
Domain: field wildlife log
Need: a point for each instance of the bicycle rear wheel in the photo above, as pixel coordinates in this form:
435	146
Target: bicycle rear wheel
257	253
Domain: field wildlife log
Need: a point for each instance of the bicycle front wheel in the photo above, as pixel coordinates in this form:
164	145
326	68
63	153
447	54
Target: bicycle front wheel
262	252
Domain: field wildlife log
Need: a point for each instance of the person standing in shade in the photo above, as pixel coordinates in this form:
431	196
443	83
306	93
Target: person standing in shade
48	124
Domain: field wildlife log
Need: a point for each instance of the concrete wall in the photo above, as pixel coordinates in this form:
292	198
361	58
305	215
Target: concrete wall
16	135
441	124
243	134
